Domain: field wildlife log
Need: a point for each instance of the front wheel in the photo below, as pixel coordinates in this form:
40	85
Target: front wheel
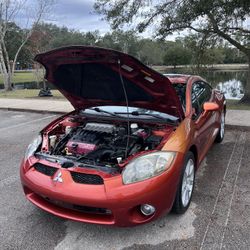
186	185
220	136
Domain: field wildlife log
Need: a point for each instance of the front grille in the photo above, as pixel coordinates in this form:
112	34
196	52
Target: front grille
77	177
44	169
80	208
86	178
95	210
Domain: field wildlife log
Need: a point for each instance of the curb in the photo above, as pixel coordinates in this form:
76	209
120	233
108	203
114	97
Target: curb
228	126
237	127
34	111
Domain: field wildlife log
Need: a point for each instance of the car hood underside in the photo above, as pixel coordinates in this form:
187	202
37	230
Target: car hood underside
92	76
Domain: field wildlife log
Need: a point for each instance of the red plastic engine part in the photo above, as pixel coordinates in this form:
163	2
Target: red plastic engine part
79	147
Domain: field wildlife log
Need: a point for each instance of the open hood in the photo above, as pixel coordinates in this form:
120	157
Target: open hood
92	76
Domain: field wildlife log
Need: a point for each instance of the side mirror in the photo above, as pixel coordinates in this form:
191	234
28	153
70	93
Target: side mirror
210	106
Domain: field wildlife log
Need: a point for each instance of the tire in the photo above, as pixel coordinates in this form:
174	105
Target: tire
220	136
185	190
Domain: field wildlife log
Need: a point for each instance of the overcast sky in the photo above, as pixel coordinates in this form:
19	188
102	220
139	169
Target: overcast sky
73	14
79	15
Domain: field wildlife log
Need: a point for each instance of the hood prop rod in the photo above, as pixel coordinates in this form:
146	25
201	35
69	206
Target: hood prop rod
126	99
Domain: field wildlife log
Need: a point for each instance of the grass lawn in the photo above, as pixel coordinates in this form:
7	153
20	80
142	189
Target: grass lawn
29	93
20	77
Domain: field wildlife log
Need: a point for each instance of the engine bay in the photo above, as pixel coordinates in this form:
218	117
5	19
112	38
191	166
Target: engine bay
103	143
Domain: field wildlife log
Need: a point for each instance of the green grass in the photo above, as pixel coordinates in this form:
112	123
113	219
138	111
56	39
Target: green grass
21	77
29	93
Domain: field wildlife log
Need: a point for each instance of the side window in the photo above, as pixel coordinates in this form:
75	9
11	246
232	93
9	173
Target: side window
196	92
201	92
208	91
180	89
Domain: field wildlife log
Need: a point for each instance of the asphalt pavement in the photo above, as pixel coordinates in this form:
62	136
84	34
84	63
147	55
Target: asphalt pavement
218	218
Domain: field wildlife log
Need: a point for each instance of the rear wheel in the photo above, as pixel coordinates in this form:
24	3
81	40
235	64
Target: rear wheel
186	185
220	136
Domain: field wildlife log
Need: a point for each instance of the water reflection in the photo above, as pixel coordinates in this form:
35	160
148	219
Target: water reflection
232	89
230	82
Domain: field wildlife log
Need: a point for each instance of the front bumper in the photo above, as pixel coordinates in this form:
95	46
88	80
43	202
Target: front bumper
123	201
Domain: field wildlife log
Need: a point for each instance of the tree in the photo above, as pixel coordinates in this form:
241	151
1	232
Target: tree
125	41
13	39
150	52
177	54
9	10
223	18
203	50
233	55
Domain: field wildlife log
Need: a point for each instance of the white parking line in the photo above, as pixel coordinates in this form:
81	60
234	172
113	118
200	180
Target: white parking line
218	194
241	138
26	123
231	201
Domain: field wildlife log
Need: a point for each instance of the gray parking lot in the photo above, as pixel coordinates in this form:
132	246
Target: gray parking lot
218	218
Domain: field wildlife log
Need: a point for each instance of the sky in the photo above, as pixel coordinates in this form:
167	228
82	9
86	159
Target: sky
74	14
79	15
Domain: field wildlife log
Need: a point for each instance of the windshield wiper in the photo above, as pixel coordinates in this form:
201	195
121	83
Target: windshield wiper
136	113
104	111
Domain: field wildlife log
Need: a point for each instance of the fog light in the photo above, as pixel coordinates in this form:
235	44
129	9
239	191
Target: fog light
147	209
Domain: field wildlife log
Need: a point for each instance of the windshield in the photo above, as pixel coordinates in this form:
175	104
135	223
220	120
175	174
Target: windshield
134	113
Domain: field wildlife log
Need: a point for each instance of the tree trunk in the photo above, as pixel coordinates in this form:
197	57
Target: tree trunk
18	51
7	82
5	73
246	97
7	79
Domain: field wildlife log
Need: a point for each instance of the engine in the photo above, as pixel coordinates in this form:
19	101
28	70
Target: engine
104	143
87	139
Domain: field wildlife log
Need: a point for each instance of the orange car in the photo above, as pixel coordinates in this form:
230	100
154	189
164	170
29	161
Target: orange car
129	151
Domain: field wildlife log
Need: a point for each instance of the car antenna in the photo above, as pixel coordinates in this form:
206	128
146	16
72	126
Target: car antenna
126	99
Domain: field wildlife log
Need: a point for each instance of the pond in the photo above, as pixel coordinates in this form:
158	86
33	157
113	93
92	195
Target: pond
230	82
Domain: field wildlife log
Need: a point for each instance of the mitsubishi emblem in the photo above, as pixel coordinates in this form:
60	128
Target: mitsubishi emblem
58	177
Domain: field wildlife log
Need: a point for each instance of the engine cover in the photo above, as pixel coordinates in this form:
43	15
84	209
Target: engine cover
100	127
87	139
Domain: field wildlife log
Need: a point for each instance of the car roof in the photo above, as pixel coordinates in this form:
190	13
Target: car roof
178	78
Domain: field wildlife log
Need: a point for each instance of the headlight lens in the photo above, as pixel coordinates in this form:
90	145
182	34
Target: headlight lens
33	146
147	166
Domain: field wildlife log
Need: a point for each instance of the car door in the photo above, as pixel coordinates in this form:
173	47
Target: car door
203	120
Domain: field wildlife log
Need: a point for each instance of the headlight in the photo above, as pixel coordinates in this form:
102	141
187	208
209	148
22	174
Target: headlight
147	166
33	146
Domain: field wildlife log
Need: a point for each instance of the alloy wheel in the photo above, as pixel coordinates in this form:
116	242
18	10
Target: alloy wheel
187	183
222	125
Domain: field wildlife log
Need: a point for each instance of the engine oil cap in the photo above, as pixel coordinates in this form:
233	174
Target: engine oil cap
134	126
